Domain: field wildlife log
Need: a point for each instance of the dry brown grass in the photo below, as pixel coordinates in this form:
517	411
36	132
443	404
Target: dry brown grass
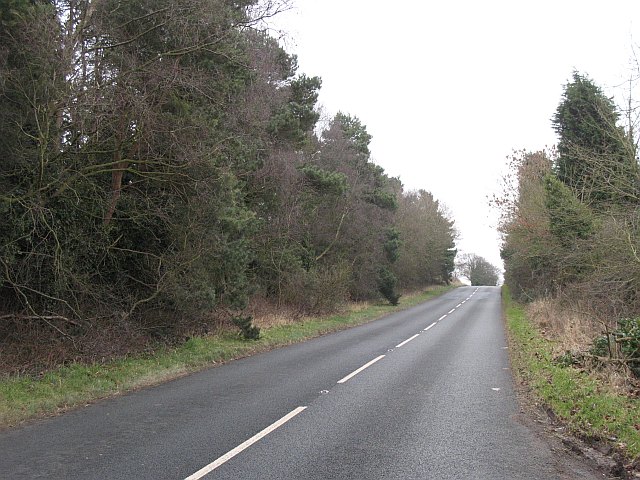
572	330
268	314
569	329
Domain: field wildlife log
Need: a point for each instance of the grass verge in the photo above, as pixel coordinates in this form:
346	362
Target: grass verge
27	397
586	406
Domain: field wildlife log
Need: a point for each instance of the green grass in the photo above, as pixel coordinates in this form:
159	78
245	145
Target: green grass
589	409
26	397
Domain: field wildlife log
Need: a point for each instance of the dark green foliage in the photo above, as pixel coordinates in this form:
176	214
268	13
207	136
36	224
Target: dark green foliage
569	219
294	121
127	195
247	329
571	231
602	346
392	244
355	131
159	161
449	262
596	158
326	218
387	283
324	181
382	199
13	14
304	95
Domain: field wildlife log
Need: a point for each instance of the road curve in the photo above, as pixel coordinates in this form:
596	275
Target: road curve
424	393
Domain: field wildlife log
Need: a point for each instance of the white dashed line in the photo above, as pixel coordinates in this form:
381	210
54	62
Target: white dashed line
430	326
407	340
366	365
243	446
442	317
451	311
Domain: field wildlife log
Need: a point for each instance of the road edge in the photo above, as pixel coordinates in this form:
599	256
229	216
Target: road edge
195	355
601	459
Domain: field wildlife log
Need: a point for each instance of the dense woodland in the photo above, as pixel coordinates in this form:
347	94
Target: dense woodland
571	222
162	166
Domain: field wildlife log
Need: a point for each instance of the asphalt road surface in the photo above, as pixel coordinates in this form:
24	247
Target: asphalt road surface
422	394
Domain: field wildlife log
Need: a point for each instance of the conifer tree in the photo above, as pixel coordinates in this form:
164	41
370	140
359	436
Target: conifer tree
595	155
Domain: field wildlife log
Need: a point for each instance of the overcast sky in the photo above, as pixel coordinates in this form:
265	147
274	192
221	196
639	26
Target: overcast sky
448	89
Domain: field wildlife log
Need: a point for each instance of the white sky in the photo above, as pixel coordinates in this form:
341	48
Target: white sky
448	89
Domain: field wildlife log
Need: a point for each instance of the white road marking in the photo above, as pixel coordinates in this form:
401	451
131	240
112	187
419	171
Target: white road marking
432	325
243	446
366	365
458	305
442	317
495	389
451	311
463	302
407	340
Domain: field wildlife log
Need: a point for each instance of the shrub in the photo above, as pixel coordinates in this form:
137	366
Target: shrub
247	329
387	282
318	290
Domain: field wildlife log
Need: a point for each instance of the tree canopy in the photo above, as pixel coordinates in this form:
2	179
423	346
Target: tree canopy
162	168
478	270
596	157
570	223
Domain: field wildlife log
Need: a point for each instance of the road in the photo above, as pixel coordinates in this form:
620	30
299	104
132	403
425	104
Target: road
425	393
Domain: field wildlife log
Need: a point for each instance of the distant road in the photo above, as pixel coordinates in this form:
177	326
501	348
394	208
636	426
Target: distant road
422	394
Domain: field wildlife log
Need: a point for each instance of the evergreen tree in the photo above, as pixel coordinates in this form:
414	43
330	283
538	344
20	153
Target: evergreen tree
569	220
596	157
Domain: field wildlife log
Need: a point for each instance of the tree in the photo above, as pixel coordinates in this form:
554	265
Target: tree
160	162
427	241
295	120
355	131
596	158
529	250
570	222
478	270
355	228
126	149
569	219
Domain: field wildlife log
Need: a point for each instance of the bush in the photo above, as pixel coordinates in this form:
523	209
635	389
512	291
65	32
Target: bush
387	282
318	290
247	329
